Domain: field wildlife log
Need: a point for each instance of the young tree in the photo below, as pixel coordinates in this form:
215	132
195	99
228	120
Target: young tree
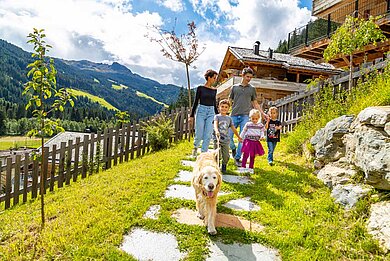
183	48
122	117
41	88
353	35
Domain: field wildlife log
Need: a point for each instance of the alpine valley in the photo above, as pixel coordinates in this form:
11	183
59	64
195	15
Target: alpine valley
101	89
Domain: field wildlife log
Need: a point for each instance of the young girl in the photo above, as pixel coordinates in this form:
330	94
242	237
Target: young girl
252	133
273	127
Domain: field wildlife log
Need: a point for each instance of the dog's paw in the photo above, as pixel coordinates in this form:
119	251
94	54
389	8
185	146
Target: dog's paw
212	232
200	216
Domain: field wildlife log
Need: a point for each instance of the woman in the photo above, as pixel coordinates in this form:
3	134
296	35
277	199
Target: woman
205	107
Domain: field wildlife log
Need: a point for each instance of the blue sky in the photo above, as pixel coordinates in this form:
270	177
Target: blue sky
114	30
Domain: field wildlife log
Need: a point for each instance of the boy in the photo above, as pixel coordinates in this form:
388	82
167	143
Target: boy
273	127
222	123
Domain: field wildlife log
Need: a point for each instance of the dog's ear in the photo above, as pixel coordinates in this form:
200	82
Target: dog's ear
215	153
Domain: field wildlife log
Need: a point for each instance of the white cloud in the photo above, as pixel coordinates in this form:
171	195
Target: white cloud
174	5
109	30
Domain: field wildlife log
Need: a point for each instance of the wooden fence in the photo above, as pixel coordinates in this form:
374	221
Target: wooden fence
291	107
77	159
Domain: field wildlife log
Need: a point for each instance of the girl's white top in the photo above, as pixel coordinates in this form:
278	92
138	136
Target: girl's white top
253	131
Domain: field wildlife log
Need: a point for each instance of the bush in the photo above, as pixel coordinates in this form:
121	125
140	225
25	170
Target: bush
159	130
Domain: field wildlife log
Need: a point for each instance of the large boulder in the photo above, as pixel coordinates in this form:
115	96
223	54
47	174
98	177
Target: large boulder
334	174
348	195
369	149
328	142
375	116
379	224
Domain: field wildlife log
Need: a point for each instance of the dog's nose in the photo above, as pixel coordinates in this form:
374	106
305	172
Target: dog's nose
211	186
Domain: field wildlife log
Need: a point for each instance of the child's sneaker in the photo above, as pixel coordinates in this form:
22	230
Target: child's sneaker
271	163
194	152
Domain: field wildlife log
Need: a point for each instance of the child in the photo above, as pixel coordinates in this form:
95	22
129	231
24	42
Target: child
252	133
273	127
222	123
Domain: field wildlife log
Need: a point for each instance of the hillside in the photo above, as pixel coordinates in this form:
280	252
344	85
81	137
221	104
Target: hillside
93	78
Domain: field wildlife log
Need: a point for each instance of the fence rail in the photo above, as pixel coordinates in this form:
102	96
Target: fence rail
76	159
291	107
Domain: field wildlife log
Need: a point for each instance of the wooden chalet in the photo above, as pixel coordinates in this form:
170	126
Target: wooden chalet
276	74
311	40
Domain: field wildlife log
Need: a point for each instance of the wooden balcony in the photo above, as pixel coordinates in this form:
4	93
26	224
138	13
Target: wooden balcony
311	40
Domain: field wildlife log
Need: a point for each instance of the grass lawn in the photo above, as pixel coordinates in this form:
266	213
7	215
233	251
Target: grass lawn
87	220
8	142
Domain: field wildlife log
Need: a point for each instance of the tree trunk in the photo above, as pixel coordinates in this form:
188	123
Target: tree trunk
189	86
189	101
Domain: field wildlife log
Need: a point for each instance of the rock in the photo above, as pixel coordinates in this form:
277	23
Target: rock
379	224
328	142
333	175
318	164
348	195
376	116
387	128
369	150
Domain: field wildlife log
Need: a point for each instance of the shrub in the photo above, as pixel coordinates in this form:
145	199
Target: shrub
159	130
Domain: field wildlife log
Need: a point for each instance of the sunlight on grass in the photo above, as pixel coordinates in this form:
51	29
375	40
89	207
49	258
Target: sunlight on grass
93	98
87	220
16	142
143	95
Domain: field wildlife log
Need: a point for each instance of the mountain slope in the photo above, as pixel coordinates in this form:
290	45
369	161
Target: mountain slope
94	78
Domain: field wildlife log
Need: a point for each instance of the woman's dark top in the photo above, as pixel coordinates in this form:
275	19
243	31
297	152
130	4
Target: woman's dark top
205	96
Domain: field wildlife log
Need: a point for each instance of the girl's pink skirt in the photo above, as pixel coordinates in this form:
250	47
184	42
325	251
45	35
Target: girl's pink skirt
252	147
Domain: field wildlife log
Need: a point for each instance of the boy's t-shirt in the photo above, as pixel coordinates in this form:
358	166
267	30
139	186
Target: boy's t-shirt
224	123
272	133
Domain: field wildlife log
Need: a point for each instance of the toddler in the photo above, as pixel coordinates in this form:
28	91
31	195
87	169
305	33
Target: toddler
273	127
252	133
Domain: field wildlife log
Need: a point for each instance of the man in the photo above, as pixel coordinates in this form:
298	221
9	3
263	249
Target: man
243	97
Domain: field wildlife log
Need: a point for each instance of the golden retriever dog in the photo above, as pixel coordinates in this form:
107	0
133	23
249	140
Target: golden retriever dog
207	182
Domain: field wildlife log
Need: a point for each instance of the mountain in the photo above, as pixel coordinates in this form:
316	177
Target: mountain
115	83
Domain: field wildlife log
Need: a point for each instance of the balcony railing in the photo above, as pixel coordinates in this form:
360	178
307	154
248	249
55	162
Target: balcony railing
324	26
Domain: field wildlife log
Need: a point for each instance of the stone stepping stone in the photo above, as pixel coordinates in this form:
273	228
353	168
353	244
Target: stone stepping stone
184	176
241	252
188	163
188	216
236	179
152	212
242	204
242	170
184	192
159	247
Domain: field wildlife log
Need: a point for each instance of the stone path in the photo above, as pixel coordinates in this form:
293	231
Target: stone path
164	246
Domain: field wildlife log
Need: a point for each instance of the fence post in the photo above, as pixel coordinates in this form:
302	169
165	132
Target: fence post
53	166
105	148
68	162
85	156
116	140
25	173
8	183
76	159
61	165
17	179
34	191
128	138
91	153
133	132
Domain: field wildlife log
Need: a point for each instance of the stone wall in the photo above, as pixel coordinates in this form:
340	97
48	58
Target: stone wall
352	156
